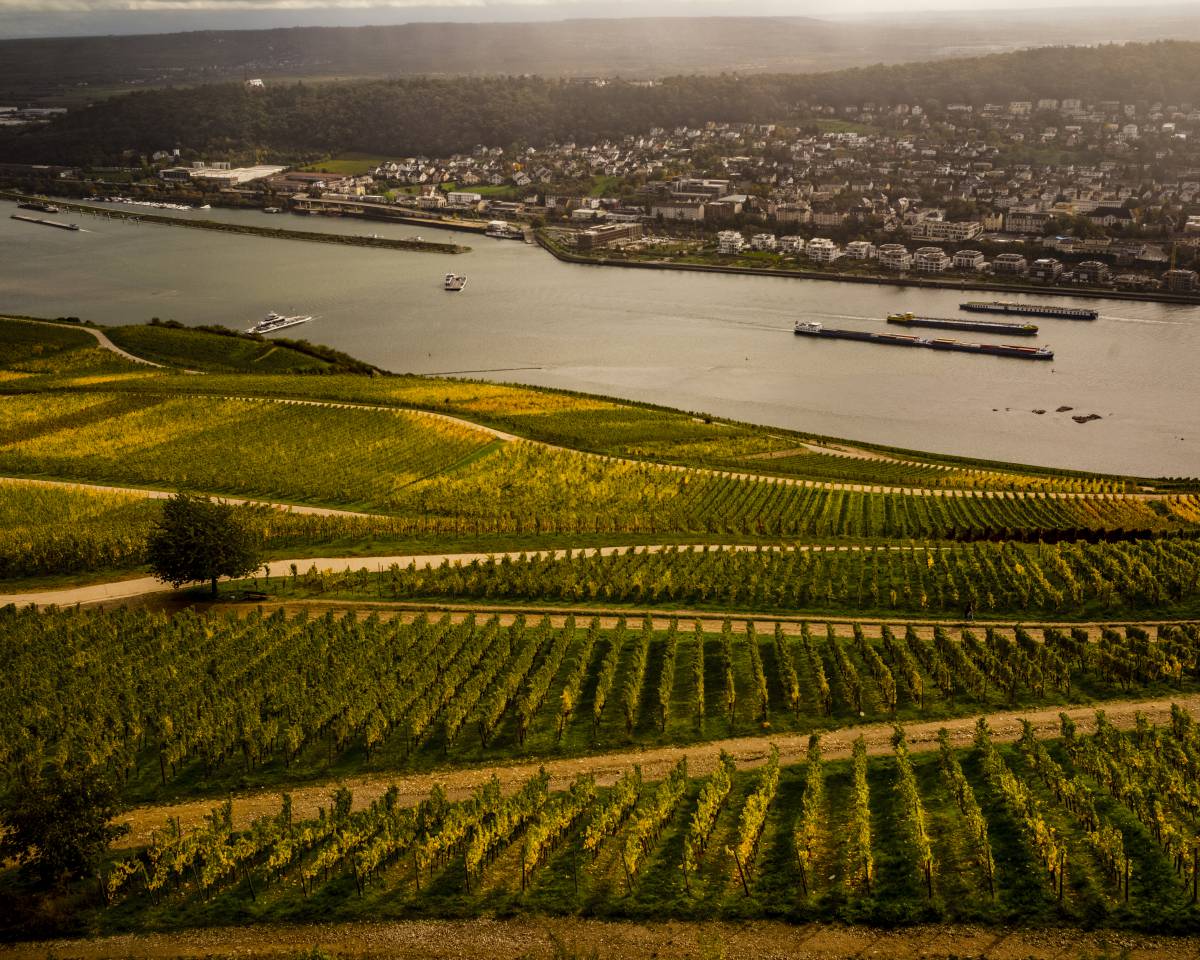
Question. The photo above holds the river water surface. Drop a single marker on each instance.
(715, 343)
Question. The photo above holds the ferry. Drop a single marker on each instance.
(41, 206)
(1029, 309)
(454, 283)
(979, 326)
(813, 329)
(277, 321)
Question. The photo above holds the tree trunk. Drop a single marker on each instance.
(214, 586)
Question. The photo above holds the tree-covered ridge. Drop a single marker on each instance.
(441, 116)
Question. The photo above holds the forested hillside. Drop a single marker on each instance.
(441, 116)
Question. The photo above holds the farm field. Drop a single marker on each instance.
(1066, 579)
(447, 476)
(212, 351)
(336, 695)
(1046, 829)
(799, 601)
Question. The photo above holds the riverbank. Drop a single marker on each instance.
(568, 256)
(386, 243)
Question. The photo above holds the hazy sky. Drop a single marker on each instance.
(65, 17)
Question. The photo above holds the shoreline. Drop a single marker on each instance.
(899, 281)
(271, 233)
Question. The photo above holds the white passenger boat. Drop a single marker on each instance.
(454, 282)
(277, 321)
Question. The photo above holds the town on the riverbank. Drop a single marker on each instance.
(1100, 198)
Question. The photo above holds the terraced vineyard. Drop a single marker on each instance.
(1046, 829)
(855, 573)
(46, 530)
(623, 429)
(192, 703)
(230, 446)
(542, 490)
(1068, 578)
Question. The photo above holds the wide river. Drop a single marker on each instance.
(719, 344)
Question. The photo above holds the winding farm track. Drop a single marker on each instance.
(546, 938)
(655, 762)
(101, 339)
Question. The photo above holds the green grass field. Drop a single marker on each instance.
(347, 164)
(201, 350)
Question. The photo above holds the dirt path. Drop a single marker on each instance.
(655, 762)
(615, 940)
(101, 339)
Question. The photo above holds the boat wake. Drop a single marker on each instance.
(1165, 323)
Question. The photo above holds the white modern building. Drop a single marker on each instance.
(894, 256)
(729, 242)
(931, 260)
(822, 250)
(860, 250)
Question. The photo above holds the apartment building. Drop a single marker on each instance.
(894, 256)
(822, 250)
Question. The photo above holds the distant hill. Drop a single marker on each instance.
(71, 69)
(440, 116)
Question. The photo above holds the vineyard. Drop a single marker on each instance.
(552, 490)
(623, 429)
(1062, 579)
(211, 351)
(441, 477)
(1042, 830)
(58, 530)
(826, 588)
(231, 446)
(189, 703)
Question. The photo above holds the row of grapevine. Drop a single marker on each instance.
(713, 794)
(1049, 578)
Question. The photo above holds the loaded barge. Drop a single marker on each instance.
(979, 326)
(1029, 309)
(46, 223)
(813, 329)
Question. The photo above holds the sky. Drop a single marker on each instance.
(81, 17)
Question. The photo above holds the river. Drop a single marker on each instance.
(714, 343)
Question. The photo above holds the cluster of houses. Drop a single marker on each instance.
(911, 186)
(899, 258)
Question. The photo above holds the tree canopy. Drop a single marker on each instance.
(198, 539)
(58, 829)
(439, 116)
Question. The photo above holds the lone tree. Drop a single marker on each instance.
(59, 828)
(199, 540)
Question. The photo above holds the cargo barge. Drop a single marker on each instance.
(979, 326)
(1029, 309)
(46, 223)
(813, 329)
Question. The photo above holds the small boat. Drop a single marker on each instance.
(277, 321)
(454, 282)
(272, 210)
